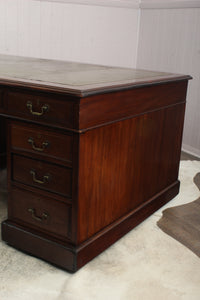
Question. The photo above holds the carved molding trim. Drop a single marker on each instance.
(110, 3)
(135, 4)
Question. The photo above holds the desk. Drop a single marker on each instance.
(91, 152)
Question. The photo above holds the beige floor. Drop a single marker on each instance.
(146, 264)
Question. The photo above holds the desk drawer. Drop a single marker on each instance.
(45, 214)
(41, 108)
(42, 175)
(46, 143)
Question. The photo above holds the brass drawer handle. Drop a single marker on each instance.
(44, 145)
(35, 217)
(46, 178)
(44, 109)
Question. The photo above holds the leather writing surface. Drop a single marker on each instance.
(77, 78)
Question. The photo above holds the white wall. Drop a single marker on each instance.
(96, 34)
(152, 34)
(169, 40)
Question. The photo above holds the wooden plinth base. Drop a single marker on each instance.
(72, 258)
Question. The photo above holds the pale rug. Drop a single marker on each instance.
(145, 264)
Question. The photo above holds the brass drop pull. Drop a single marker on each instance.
(46, 178)
(43, 147)
(35, 217)
(44, 109)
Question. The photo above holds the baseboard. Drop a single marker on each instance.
(190, 150)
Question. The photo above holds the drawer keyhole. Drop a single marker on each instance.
(46, 177)
(35, 217)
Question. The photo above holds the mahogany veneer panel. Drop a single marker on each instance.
(124, 164)
(92, 151)
(99, 109)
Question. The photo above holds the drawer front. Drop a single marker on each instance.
(35, 140)
(45, 214)
(40, 108)
(45, 176)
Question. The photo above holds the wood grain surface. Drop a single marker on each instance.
(122, 165)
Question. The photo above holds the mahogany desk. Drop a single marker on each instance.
(91, 152)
